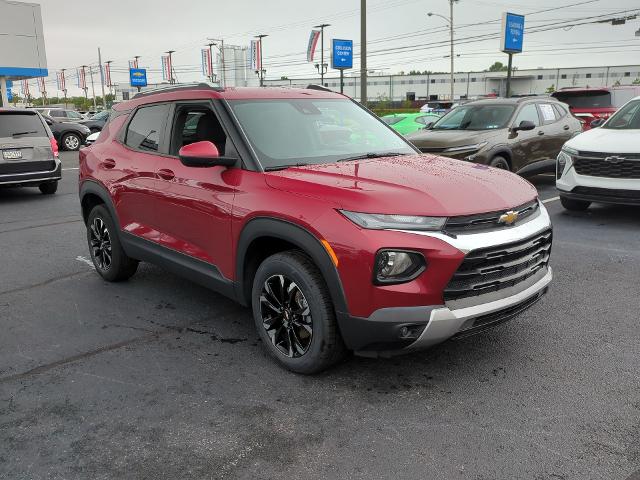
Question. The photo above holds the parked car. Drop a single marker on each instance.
(337, 242)
(97, 121)
(91, 139)
(523, 135)
(28, 151)
(438, 107)
(588, 104)
(603, 164)
(405, 123)
(61, 114)
(70, 136)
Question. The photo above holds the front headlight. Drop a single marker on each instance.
(564, 158)
(464, 148)
(380, 221)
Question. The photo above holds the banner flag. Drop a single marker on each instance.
(313, 43)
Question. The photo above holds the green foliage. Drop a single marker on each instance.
(551, 88)
(497, 67)
(636, 81)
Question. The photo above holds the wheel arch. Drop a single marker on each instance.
(92, 194)
(503, 152)
(264, 236)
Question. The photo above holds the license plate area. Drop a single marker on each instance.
(12, 154)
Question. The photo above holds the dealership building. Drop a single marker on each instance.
(437, 86)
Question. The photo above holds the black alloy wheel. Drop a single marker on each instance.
(286, 316)
(100, 242)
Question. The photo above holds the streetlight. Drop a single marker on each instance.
(450, 22)
(262, 70)
(321, 68)
(215, 42)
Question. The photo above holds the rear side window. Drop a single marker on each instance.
(585, 99)
(21, 125)
(146, 129)
(560, 111)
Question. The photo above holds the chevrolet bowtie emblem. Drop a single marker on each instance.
(614, 159)
(509, 218)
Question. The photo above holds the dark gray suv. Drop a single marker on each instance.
(28, 151)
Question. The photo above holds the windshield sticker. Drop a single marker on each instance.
(547, 112)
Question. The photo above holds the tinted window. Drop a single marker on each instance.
(74, 115)
(57, 114)
(21, 125)
(628, 117)
(392, 120)
(528, 113)
(585, 99)
(476, 117)
(197, 124)
(101, 115)
(147, 127)
(560, 111)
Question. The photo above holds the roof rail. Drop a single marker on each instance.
(179, 87)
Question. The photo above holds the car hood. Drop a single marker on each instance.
(606, 140)
(410, 185)
(451, 138)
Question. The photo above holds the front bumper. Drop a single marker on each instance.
(394, 330)
(33, 178)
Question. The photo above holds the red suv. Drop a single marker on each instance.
(303, 205)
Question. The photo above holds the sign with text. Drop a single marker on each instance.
(512, 33)
(138, 77)
(341, 54)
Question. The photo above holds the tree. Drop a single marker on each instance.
(551, 88)
(497, 67)
(636, 81)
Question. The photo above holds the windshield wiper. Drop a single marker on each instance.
(372, 155)
(275, 168)
(17, 134)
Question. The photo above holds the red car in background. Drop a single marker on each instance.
(591, 103)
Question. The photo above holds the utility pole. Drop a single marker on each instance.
(363, 52)
(84, 80)
(323, 66)
(64, 88)
(210, 66)
(135, 61)
(262, 69)
(450, 22)
(104, 99)
(171, 80)
(108, 63)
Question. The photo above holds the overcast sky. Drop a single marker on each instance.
(124, 28)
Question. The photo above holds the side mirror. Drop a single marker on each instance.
(428, 124)
(524, 126)
(49, 122)
(203, 155)
(598, 122)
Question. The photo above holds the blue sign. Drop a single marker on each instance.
(138, 77)
(342, 54)
(9, 92)
(512, 32)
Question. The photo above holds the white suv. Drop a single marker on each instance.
(602, 164)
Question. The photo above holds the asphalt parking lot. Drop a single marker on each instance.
(160, 378)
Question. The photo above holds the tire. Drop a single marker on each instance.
(305, 337)
(48, 188)
(71, 142)
(500, 162)
(574, 205)
(102, 237)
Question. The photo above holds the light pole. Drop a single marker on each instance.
(171, 80)
(215, 41)
(450, 22)
(110, 85)
(135, 61)
(262, 70)
(322, 66)
(363, 52)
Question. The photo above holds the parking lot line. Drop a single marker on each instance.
(548, 200)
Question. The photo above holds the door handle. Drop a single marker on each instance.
(566, 127)
(166, 174)
(109, 163)
(540, 132)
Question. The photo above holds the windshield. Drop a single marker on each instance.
(101, 115)
(285, 132)
(627, 118)
(21, 124)
(587, 99)
(476, 117)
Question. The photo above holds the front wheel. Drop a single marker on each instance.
(294, 314)
(574, 205)
(110, 260)
(499, 162)
(71, 142)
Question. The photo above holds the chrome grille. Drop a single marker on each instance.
(502, 266)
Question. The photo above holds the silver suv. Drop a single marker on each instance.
(28, 151)
(62, 114)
